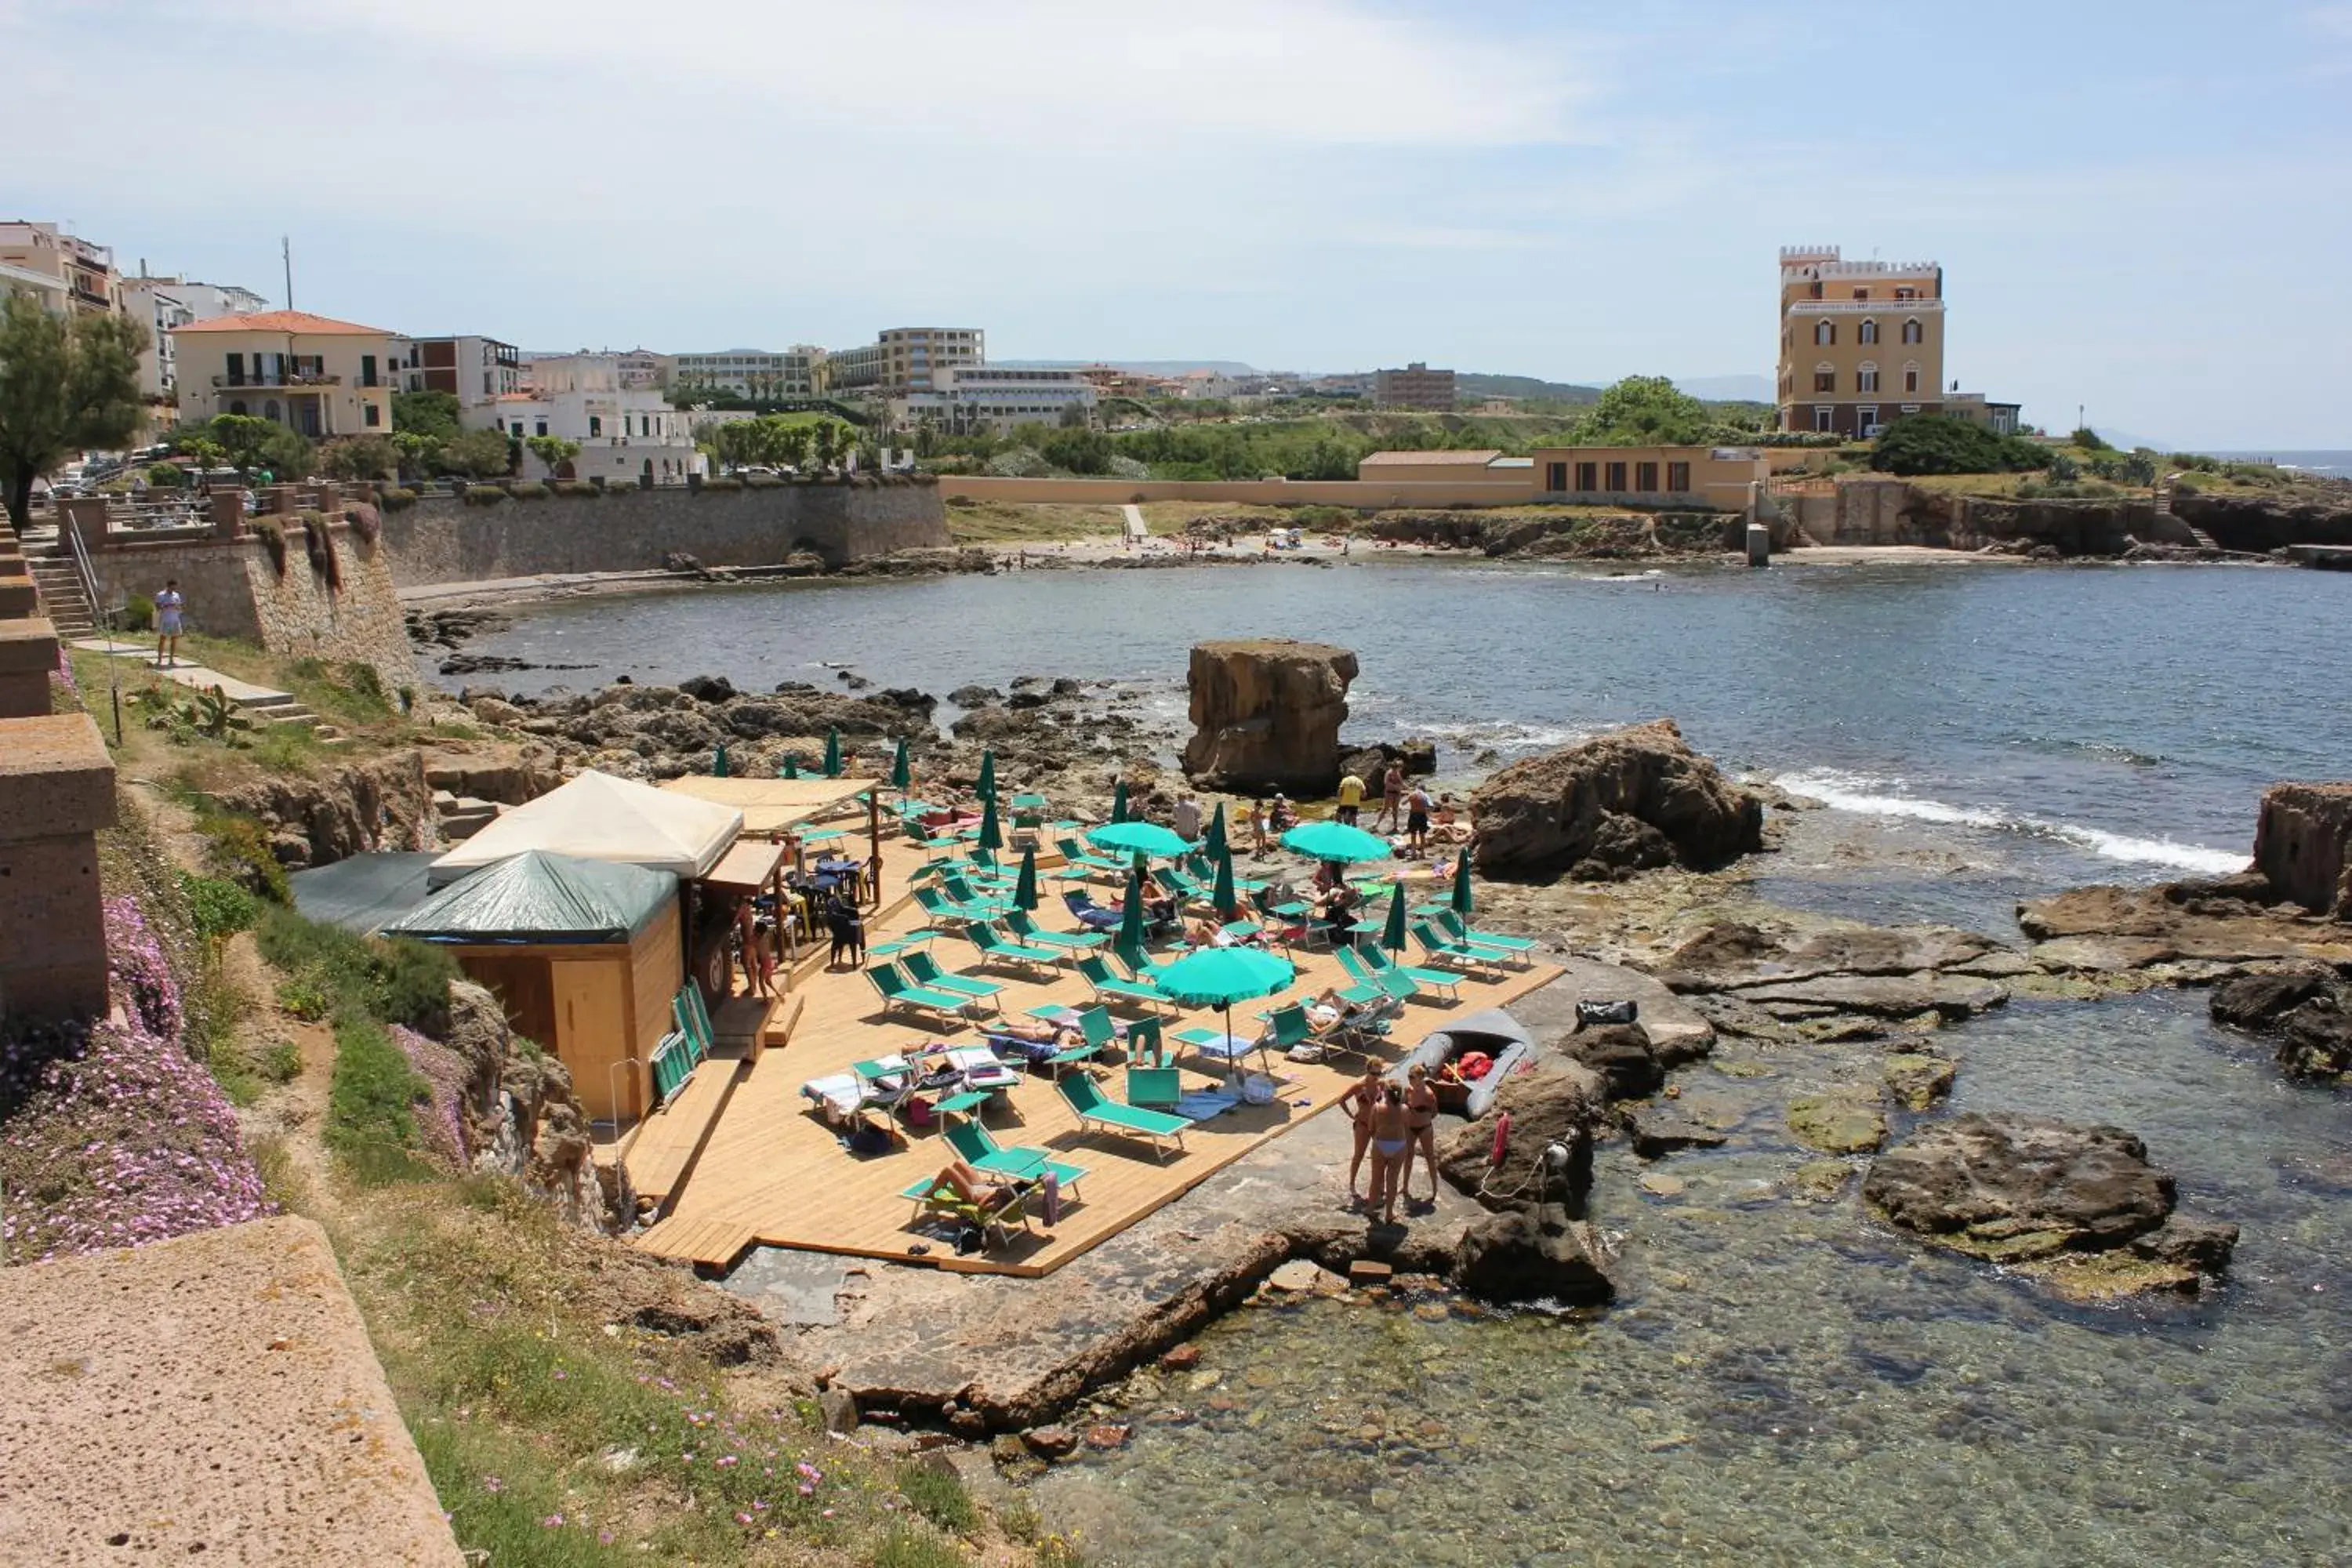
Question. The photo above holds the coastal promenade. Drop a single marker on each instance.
(773, 1174)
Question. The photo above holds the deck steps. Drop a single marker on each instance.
(707, 1243)
(661, 1155)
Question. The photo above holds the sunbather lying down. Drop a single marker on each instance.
(968, 1184)
(1033, 1041)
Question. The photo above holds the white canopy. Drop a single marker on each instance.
(597, 816)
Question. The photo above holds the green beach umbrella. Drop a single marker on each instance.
(987, 784)
(1138, 839)
(1221, 976)
(1337, 841)
(1393, 934)
(832, 753)
(1214, 841)
(1025, 886)
(1131, 919)
(791, 769)
(1119, 802)
(902, 769)
(1464, 901)
(719, 764)
(1222, 895)
(992, 836)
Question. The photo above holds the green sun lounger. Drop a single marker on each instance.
(931, 1195)
(1152, 1089)
(1460, 929)
(1381, 966)
(938, 907)
(976, 1148)
(897, 946)
(995, 948)
(1111, 989)
(1443, 949)
(925, 970)
(896, 991)
(1022, 924)
(1087, 1100)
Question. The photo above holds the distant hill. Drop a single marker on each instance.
(1473, 384)
(1163, 367)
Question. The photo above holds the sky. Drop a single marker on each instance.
(2143, 207)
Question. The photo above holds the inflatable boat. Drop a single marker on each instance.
(1494, 1033)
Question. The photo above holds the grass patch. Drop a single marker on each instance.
(389, 981)
(906, 1546)
(940, 1497)
(1009, 522)
(371, 1106)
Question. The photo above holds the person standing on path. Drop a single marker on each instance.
(1416, 821)
(1187, 817)
(169, 608)
(1392, 799)
(1351, 798)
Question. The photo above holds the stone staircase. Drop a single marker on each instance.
(2163, 509)
(58, 587)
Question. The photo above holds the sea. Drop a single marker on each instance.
(1782, 1382)
(2333, 464)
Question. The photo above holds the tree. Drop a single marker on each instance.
(432, 414)
(65, 385)
(363, 457)
(478, 455)
(1645, 411)
(552, 450)
(1940, 444)
(1079, 451)
(419, 454)
(2090, 440)
(255, 444)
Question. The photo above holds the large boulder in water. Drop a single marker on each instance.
(2307, 1009)
(1266, 713)
(1537, 1253)
(2303, 844)
(1632, 800)
(2078, 1205)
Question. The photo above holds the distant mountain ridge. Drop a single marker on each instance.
(1467, 383)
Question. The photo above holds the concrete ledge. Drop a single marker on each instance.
(56, 778)
(17, 600)
(212, 1398)
(28, 644)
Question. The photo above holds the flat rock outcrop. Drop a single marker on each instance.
(2303, 846)
(1632, 800)
(1266, 713)
(2221, 923)
(2078, 1204)
(1730, 955)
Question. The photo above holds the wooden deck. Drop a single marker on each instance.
(772, 1172)
(663, 1146)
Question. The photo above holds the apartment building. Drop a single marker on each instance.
(750, 373)
(903, 359)
(1862, 342)
(642, 368)
(87, 270)
(40, 286)
(155, 304)
(474, 370)
(627, 434)
(1414, 387)
(964, 398)
(311, 373)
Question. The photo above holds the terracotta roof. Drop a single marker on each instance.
(300, 322)
(1478, 458)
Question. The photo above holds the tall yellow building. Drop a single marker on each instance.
(1862, 342)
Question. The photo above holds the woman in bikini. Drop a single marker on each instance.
(1420, 1119)
(1392, 1147)
(1359, 1101)
(972, 1186)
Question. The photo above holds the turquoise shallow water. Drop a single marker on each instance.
(1788, 1384)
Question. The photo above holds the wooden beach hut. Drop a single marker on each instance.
(583, 955)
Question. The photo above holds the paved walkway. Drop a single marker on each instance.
(195, 677)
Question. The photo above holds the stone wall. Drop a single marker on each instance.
(1894, 512)
(233, 589)
(444, 540)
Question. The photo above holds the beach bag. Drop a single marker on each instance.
(970, 1240)
(919, 1113)
(1258, 1090)
(1607, 1013)
(1053, 1198)
(868, 1139)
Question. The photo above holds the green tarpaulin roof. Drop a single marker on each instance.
(363, 892)
(541, 897)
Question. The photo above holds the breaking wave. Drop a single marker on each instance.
(1867, 795)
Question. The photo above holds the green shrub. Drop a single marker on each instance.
(722, 484)
(167, 476)
(398, 498)
(237, 848)
(370, 1103)
(411, 984)
(908, 1547)
(2063, 469)
(577, 488)
(219, 908)
(139, 614)
(1941, 444)
(305, 997)
(273, 539)
(528, 489)
(484, 495)
(389, 981)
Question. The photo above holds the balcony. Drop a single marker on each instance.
(262, 381)
(1865, 307)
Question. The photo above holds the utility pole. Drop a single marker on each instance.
(286, 253)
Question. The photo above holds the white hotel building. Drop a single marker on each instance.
(627, 434)
(964, 398)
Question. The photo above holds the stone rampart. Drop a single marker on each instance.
(235, 588)
(445, 540)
